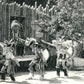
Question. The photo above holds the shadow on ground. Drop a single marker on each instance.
(11, 82)
(48, 81)
(52, 81)
(76, 78)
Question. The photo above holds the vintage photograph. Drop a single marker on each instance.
(41, 41)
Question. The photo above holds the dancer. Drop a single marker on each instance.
(9, 65)
(62, 65)
(37, 63)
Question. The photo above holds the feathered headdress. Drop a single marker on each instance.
(15, 23)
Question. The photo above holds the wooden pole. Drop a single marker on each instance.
(36, 4)
(1, 21)
(9, 22)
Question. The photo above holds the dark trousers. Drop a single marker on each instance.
(20, 50)
(3, 76)
(64, 70)
(12, 77)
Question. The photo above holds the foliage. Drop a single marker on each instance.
(68, 20)
(67, 23)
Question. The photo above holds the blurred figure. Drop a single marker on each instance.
(9, 64)
(37, 63)
(65, 65)
(59, 64)
(62, 65)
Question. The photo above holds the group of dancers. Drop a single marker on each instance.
(37, 64)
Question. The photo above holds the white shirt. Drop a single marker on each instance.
(45, 54)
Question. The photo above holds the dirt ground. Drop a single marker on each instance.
(75, 77)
